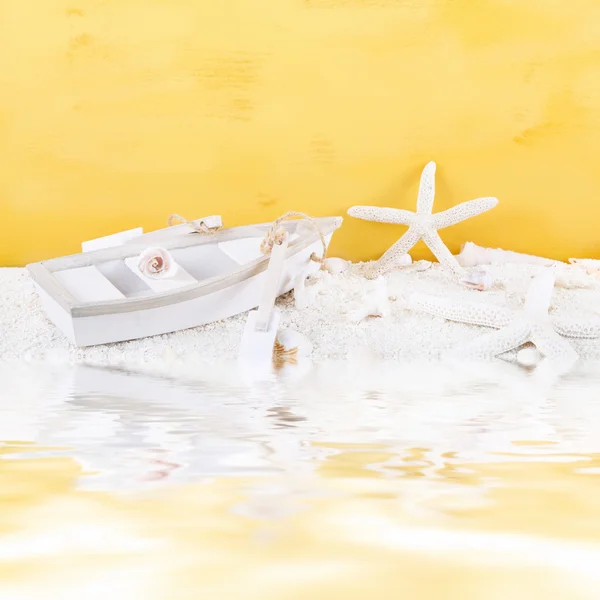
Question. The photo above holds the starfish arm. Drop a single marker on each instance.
(382, 215)
(462, 212)
(588, 329)
(426, 190)
(539, 294)
(436, 245)
(474, 313)
(390, 259)
(493, 344)
(552, 345)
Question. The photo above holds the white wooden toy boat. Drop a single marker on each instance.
(101, 296)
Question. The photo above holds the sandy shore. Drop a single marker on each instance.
(404, 335)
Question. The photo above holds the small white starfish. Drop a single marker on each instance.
(529, 323)
(422, 225)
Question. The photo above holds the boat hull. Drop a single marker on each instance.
(230, 300)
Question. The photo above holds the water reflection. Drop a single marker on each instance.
(424, 481)
(127, 428)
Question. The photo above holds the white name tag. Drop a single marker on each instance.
(111, 241)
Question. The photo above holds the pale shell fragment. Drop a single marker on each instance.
(157, 263)
(404, 260)
(419, 266)
(478, 279)
(336, 265)
(291, 339)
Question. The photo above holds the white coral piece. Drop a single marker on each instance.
(375, 302)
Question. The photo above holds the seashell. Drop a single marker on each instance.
(291, 340)
(336, 265)
(405, 260)
(157, 263)
(478, 279)
(472, 255)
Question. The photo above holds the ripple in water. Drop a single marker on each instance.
(408, 481)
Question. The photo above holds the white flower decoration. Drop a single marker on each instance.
(157, 263)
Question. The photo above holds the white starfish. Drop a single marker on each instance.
(422, 225)
(529, 323)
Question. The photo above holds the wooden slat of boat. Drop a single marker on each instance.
(134, 248)
(45, 279)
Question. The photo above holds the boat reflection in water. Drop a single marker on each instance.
(410, 481)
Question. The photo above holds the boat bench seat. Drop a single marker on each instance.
(88, 284)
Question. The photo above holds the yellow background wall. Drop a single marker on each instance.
(115, 113)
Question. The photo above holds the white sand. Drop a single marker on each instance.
(26, 333)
